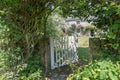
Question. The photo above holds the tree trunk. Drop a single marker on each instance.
(27, 48)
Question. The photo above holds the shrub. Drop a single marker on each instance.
(98, 70)
(32, 71)
(22, 71)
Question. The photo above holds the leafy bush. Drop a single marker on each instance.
(32, 71)
(112, 42)
(2, 64)
(53, 27)
(21, 71)
(98, 70)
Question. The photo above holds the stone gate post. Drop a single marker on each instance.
(45, 53)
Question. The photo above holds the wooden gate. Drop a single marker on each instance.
(63, 51)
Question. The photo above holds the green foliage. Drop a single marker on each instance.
(83, 53)
(112, 43)
(13, 54)
(98, 70)
(22, 25)
(10, 70)
(53, 25)
(90, 27)
(2, 64)
(24, 22)
(32, 70)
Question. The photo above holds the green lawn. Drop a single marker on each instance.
(83, 41)
(83, 53)
(83, 48)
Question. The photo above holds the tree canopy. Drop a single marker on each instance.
(25, 24)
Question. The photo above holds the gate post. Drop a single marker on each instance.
(52, 53)
(45, 53)
(95, 46)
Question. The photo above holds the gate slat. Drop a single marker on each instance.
(52, 53)
(63, 51)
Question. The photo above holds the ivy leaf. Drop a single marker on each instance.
(111, 35)
(103, 75)
(112, 76)
(115, 46)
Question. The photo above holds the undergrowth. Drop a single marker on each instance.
(105, 68)
(23, 71)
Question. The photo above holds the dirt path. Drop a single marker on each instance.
(63, 72)
(60, 73)
(58, 77)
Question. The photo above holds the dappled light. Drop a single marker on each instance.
(59, 40)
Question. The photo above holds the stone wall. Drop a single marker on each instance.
(96, 46)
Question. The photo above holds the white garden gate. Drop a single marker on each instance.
(63, 51)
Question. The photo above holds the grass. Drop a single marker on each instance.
(83, 53)
(83, 48)
(83, 41)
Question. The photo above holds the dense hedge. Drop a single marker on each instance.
(98, 70)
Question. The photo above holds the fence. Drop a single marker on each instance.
(63, 51)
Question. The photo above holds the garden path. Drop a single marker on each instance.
(63, 72)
